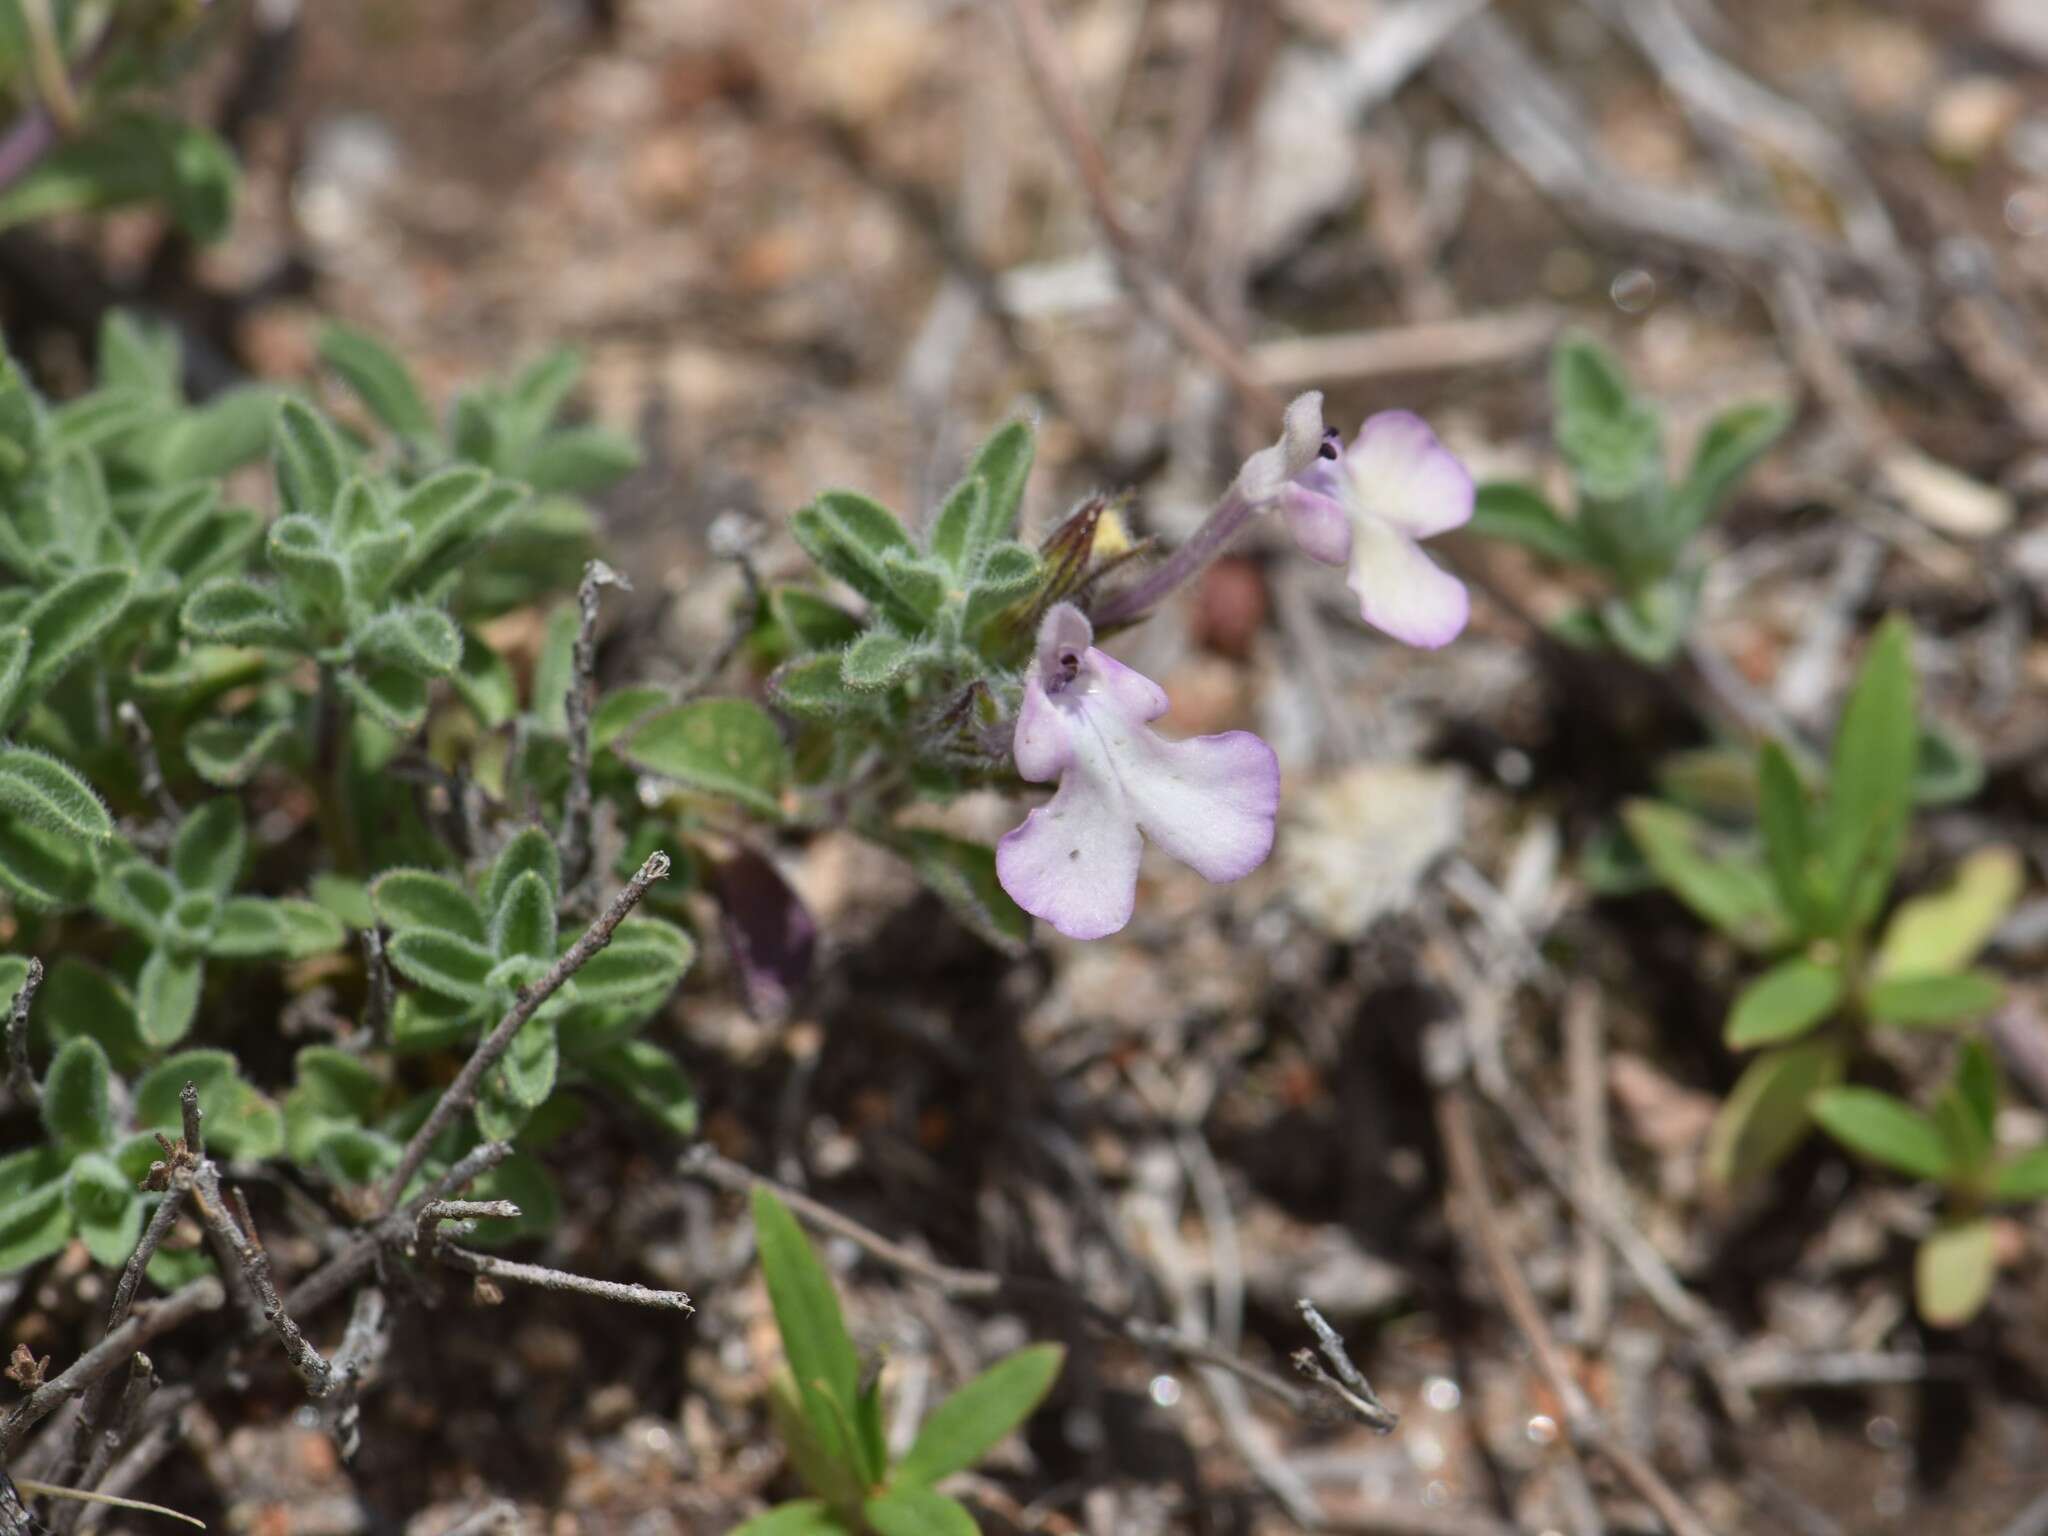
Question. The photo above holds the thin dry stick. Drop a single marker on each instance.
(356, 1260)
(1052, 83)
(434, 1212)
(1343, 1380)
(582, 697)
(382, 995)
(202, 1295)
(1585, 1063)
(1588, 1431)
(1428, 346)
(21, 1082)
(561, 1280)
(461, 1093)
(985, 1285)
(147, 762)
(312, 1368)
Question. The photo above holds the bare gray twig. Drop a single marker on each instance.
(434, 1212)
(202, 1295)
(21, 1082)
(582, 698)
(461, 1093)
(203, 1182)
(560, 1280)
(1348, 1384)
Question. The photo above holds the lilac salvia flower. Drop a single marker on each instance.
(1209, 801)
(1369, 506)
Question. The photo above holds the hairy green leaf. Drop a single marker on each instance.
(77, 1110)
(381, 381)
(38, 788)
(727, 747)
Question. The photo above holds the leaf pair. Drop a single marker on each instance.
(833, 1424)
(188, 912)
(1631, 525)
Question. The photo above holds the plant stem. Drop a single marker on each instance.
(1222, 525)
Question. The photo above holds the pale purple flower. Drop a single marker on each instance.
(1209, 801)
(1368, 507)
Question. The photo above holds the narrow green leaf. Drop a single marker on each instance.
(380, 380)
(963, 876)
(1006, 575)
(799, 1517)
(1518, 513)
(43, 870)
(14, 650)
(726, 747)
(1004, 465)
(1788, 844)
(105, 1208)
(1765, 1115)
(847, 535)
(211, 843)
(247, 928)
(1732, 443)
(806, 1308)
(1953, 1272)
(67, 619)
(963, 511)
(524, 923)
(967, 1425)
(48, 792)
(527, 1075)
(423, 641)
(1735, 895)
(237, 612)
(315, 578)
(310, 929)
(76, 1107)
(875, 661)
(1925, 1002)
(406, 899)
(579, 461)
(227, 753)
(2025, 1177)
(1881, 1128)
(1980, 1085)
(528, 851)
(309, 459)
(915, 1511)
(814, 687)
(167, 996)
(1945, 929)
(392, 696)
(651, 1080)
(1870, 782)
(1787, 1001)
(812, 623)
(643, 962)
(443, 963)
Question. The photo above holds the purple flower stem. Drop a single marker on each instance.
(1221, 526)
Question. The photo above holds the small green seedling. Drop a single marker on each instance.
(1955, 1147)
(1633, 527)
(1809, 893)
(832, 1422)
